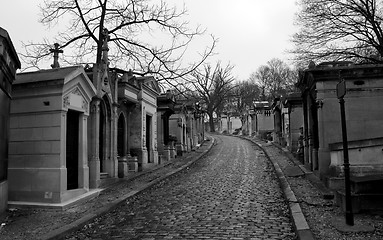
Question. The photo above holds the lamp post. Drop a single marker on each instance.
(341, 91)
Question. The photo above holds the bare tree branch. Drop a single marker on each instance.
(145, 36)
(332, 30)
(275, 79)
(213, 85)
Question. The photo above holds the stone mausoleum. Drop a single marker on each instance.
(165, 108)
(323, 142)
(364, 117)
(137, 122)
(143, 134)
(48, 156)
(262, 119)
(9, 63)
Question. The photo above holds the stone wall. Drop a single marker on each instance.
(35, 152)
(4, 135)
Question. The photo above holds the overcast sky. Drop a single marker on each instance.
(250, 32)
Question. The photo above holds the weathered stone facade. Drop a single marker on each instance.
(187, 126)
(288, 121)
(128, 91)
(9, 63)
(293, 127)
(364, 118)
(143, 131)
(262, 119)
(165, 108)
(48, 156)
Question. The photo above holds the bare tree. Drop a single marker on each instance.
(274, 79)
(145, 36)
(262, 78)
(213, 85)
(245, 93)
(334, 30)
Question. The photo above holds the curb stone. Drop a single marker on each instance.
(60, 233)
(301, 226)
(326, 193)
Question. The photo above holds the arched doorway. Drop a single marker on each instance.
(315, 132)
(101, 142)
(72, 148)
(149, 137)
(105, 136)
(121, 131)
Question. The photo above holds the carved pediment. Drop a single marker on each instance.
(75, 99)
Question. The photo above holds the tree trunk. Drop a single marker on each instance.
(211, 123)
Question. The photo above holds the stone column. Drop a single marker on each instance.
(156, 159)
(114, 159)
(144, 151)
(172, 150)
(306, 152)
(311, 137)
(63, 167)
(123, 160)
(83, 153)
(250, 129)
(94, 160)
(160, 136)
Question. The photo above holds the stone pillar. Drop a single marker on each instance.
(123, 160)
(166, 153)
(313, 151)
(161, 134)
(154, 154)
(114, 158)
(94, 161)
(306, 150)
(83, 153)
(132, 163)
(63, 167)
(250, 124)
(172, 149)
(122, 166)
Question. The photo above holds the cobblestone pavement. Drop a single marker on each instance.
(231, 193)
(322, 214)
(37, 223)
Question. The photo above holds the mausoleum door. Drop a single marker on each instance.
(166, 129)
(315, 134)
(121, 133)
(72, 142)
(101, 135)
(148, 136)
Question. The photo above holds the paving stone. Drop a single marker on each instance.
(232, 193)
(293, 171)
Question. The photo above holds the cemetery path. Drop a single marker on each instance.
(231, 193)
(37, 223)
(325, 219)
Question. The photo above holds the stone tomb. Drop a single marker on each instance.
(294, 122)
(165, 108)
(263, 124)
(48, 156)
(322, 121)
(128, 91)
(9, 62)
(143, 130)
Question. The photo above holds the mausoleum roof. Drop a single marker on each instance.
(4, 34)
(45, 75)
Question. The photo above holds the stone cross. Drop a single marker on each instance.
(56, 52)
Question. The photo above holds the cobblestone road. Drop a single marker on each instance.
(232, 193)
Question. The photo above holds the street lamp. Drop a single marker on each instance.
(341, 91)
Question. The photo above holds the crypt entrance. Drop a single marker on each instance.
(72, 136)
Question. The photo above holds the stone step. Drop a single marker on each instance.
(104, 175)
